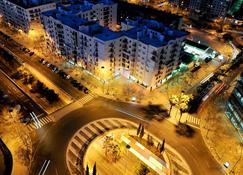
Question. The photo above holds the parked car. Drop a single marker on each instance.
(56, 70)
(41, 60)
(31, 53)
(194, 69)
(86, 91)
(68, 77)
(80, 87)
(44, 62)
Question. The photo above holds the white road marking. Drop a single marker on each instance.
(132, 115)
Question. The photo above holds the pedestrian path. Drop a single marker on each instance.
(42, 122)
(80, 141)
(193, 120)
(87, 98)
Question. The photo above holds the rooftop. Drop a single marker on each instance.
(30, 3)
(90, 28)
(150, 32)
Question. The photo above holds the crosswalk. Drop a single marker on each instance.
(85, 135)
(193, 120)
(87, 98)
(43, 122)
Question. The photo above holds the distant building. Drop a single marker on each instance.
(235, 105)
(20, 13)
(214, 8)
(129, 10)
(145, 50)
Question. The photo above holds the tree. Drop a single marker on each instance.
(94, 169)
(139, 129)
(142, 132)
(162, 147)
(87, 170)
(183, 103)
(143, 170)
(11, 124)
(158, 145)
(183, 108)
(150, 140)
(112, 149)
(174, 99)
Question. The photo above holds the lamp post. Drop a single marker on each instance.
(102, 78)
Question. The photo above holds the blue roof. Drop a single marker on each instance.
(142, 29)
(94, 29)
(30, 3)
(141, 25)
(107, 35)
(75, 8)
(146, 39)
(72, 21)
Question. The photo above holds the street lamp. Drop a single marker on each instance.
(103, 77)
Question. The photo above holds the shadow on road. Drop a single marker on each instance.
(184, 130)
(156, 112)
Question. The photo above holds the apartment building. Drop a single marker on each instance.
(20, 13)
(144, 50)
(214, 8)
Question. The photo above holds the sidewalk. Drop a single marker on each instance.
(18, 166)
(221, 137)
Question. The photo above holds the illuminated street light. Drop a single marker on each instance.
(226, 164)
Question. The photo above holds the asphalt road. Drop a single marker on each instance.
(26, 103)
(54, 138)
(33, 61)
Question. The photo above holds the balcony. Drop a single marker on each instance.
(154, 53)
(125, 40)
(111, 50)
(111, 56)
(111, 45)
(153, 58)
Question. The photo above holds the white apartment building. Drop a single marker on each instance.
(145, 50)
(20, 14)
(105, 12)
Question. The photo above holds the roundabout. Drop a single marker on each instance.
(67, 141)
(88, 148)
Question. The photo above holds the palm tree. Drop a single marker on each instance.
(139, 129)
(141, 132)
(87, 170)
(94, 169)
(162, 147)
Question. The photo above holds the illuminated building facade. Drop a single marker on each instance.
(144, 50)
(213, 8)
(20, 13)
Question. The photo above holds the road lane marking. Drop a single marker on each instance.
(132, 115)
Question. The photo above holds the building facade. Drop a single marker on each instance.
(21, 13)
(144, 50)
(235, 105)
(214, 8)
